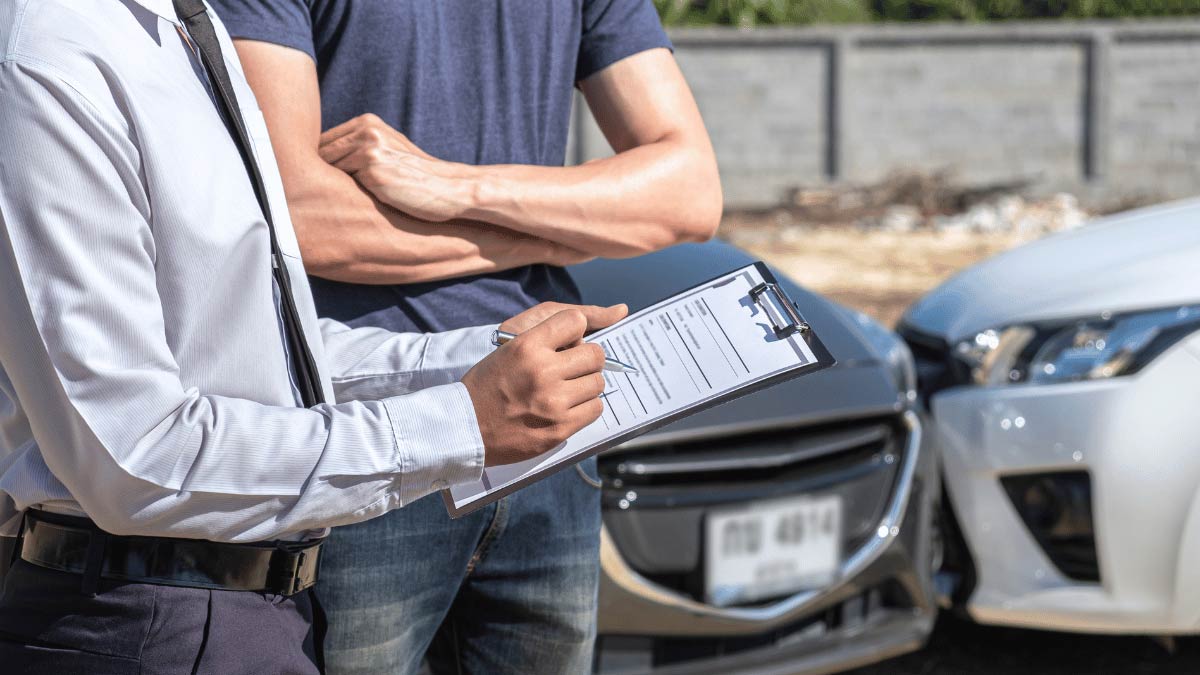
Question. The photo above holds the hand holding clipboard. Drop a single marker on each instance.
(716, 341)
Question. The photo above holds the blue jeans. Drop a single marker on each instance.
(510, 588)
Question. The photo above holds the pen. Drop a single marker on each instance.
(499, 337)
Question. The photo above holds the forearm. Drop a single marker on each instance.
(661, 187)
(346, 235)
(368, 364)
(641, 200)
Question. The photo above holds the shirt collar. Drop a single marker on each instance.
(163, 8)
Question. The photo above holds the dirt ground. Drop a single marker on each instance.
(875, 271)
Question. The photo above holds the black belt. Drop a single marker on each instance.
(76, 545)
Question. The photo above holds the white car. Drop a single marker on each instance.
(1063, 381)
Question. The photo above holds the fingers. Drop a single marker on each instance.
(339, 141)
(356, 142)
(582, 415)
(532, 317)
(603, 317)
(580, 390)
(597, 317)
(562, 329)
(364, 131)
(334, 133)
(580, 360)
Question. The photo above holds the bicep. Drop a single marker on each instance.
(642, 99)
(284, 81)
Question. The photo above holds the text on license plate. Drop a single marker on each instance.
(772, 548)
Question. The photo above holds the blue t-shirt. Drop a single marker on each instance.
(473, 81)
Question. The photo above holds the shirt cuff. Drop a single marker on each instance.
(449, 355)
(437, 440)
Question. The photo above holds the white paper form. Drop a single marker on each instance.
(688, 349)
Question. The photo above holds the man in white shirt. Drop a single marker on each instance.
(177, 428)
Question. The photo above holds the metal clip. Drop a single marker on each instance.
(784, 318)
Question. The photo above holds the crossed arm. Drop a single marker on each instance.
(371, 207)
(345, 233)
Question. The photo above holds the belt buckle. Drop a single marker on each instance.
(304, 574)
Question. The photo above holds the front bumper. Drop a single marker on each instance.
(881, 606)
(1138, 439)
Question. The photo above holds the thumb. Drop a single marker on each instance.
(603, 317)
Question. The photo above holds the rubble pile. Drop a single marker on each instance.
(1009, 213)
(911, 202)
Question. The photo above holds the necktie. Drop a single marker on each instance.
(200, 28)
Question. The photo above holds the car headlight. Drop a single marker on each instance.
(1109, 345)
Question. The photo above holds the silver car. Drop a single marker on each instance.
(1063, 379)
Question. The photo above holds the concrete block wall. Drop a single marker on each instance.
(1109, 110)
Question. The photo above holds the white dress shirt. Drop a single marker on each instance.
(144, 380)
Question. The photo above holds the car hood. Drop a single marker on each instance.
(1135, 260)
(858, 385)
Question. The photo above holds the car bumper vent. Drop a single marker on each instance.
(1057, 509)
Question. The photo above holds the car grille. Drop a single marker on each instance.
(656, 498)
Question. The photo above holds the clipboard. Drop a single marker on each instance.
(783, 319)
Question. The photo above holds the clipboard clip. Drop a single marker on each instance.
(784, 318)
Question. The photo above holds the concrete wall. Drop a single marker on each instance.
(1110, 110)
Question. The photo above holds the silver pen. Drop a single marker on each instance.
(499, 337)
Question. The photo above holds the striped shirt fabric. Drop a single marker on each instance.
(144, 377)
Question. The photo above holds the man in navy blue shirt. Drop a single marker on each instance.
(421, 145)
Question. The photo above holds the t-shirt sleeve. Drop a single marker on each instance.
(616, 29)
(281, 22)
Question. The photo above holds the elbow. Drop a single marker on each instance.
(367, 257)
(694, 223)
(692, 216)
(118, 508)
(342, 263)
(696, 214)
(692, 220)
(707, 206)
(704, 218)
(325, 259)
(331, 254)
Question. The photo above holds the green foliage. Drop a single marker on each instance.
(750, 13)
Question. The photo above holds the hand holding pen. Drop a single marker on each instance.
(612, 365)
(537, 392)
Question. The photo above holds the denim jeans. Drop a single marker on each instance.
(510, 588)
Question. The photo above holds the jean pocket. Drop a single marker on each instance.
(589, 472)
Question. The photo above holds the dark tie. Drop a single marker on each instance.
(200, 28)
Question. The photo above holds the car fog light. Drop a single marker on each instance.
(1057, 509)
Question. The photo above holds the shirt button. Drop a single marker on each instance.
(439, 485)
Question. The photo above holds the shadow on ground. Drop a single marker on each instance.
(959, 647)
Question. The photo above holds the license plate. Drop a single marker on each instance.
(772, 548)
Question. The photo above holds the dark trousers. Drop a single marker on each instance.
(47, 626)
